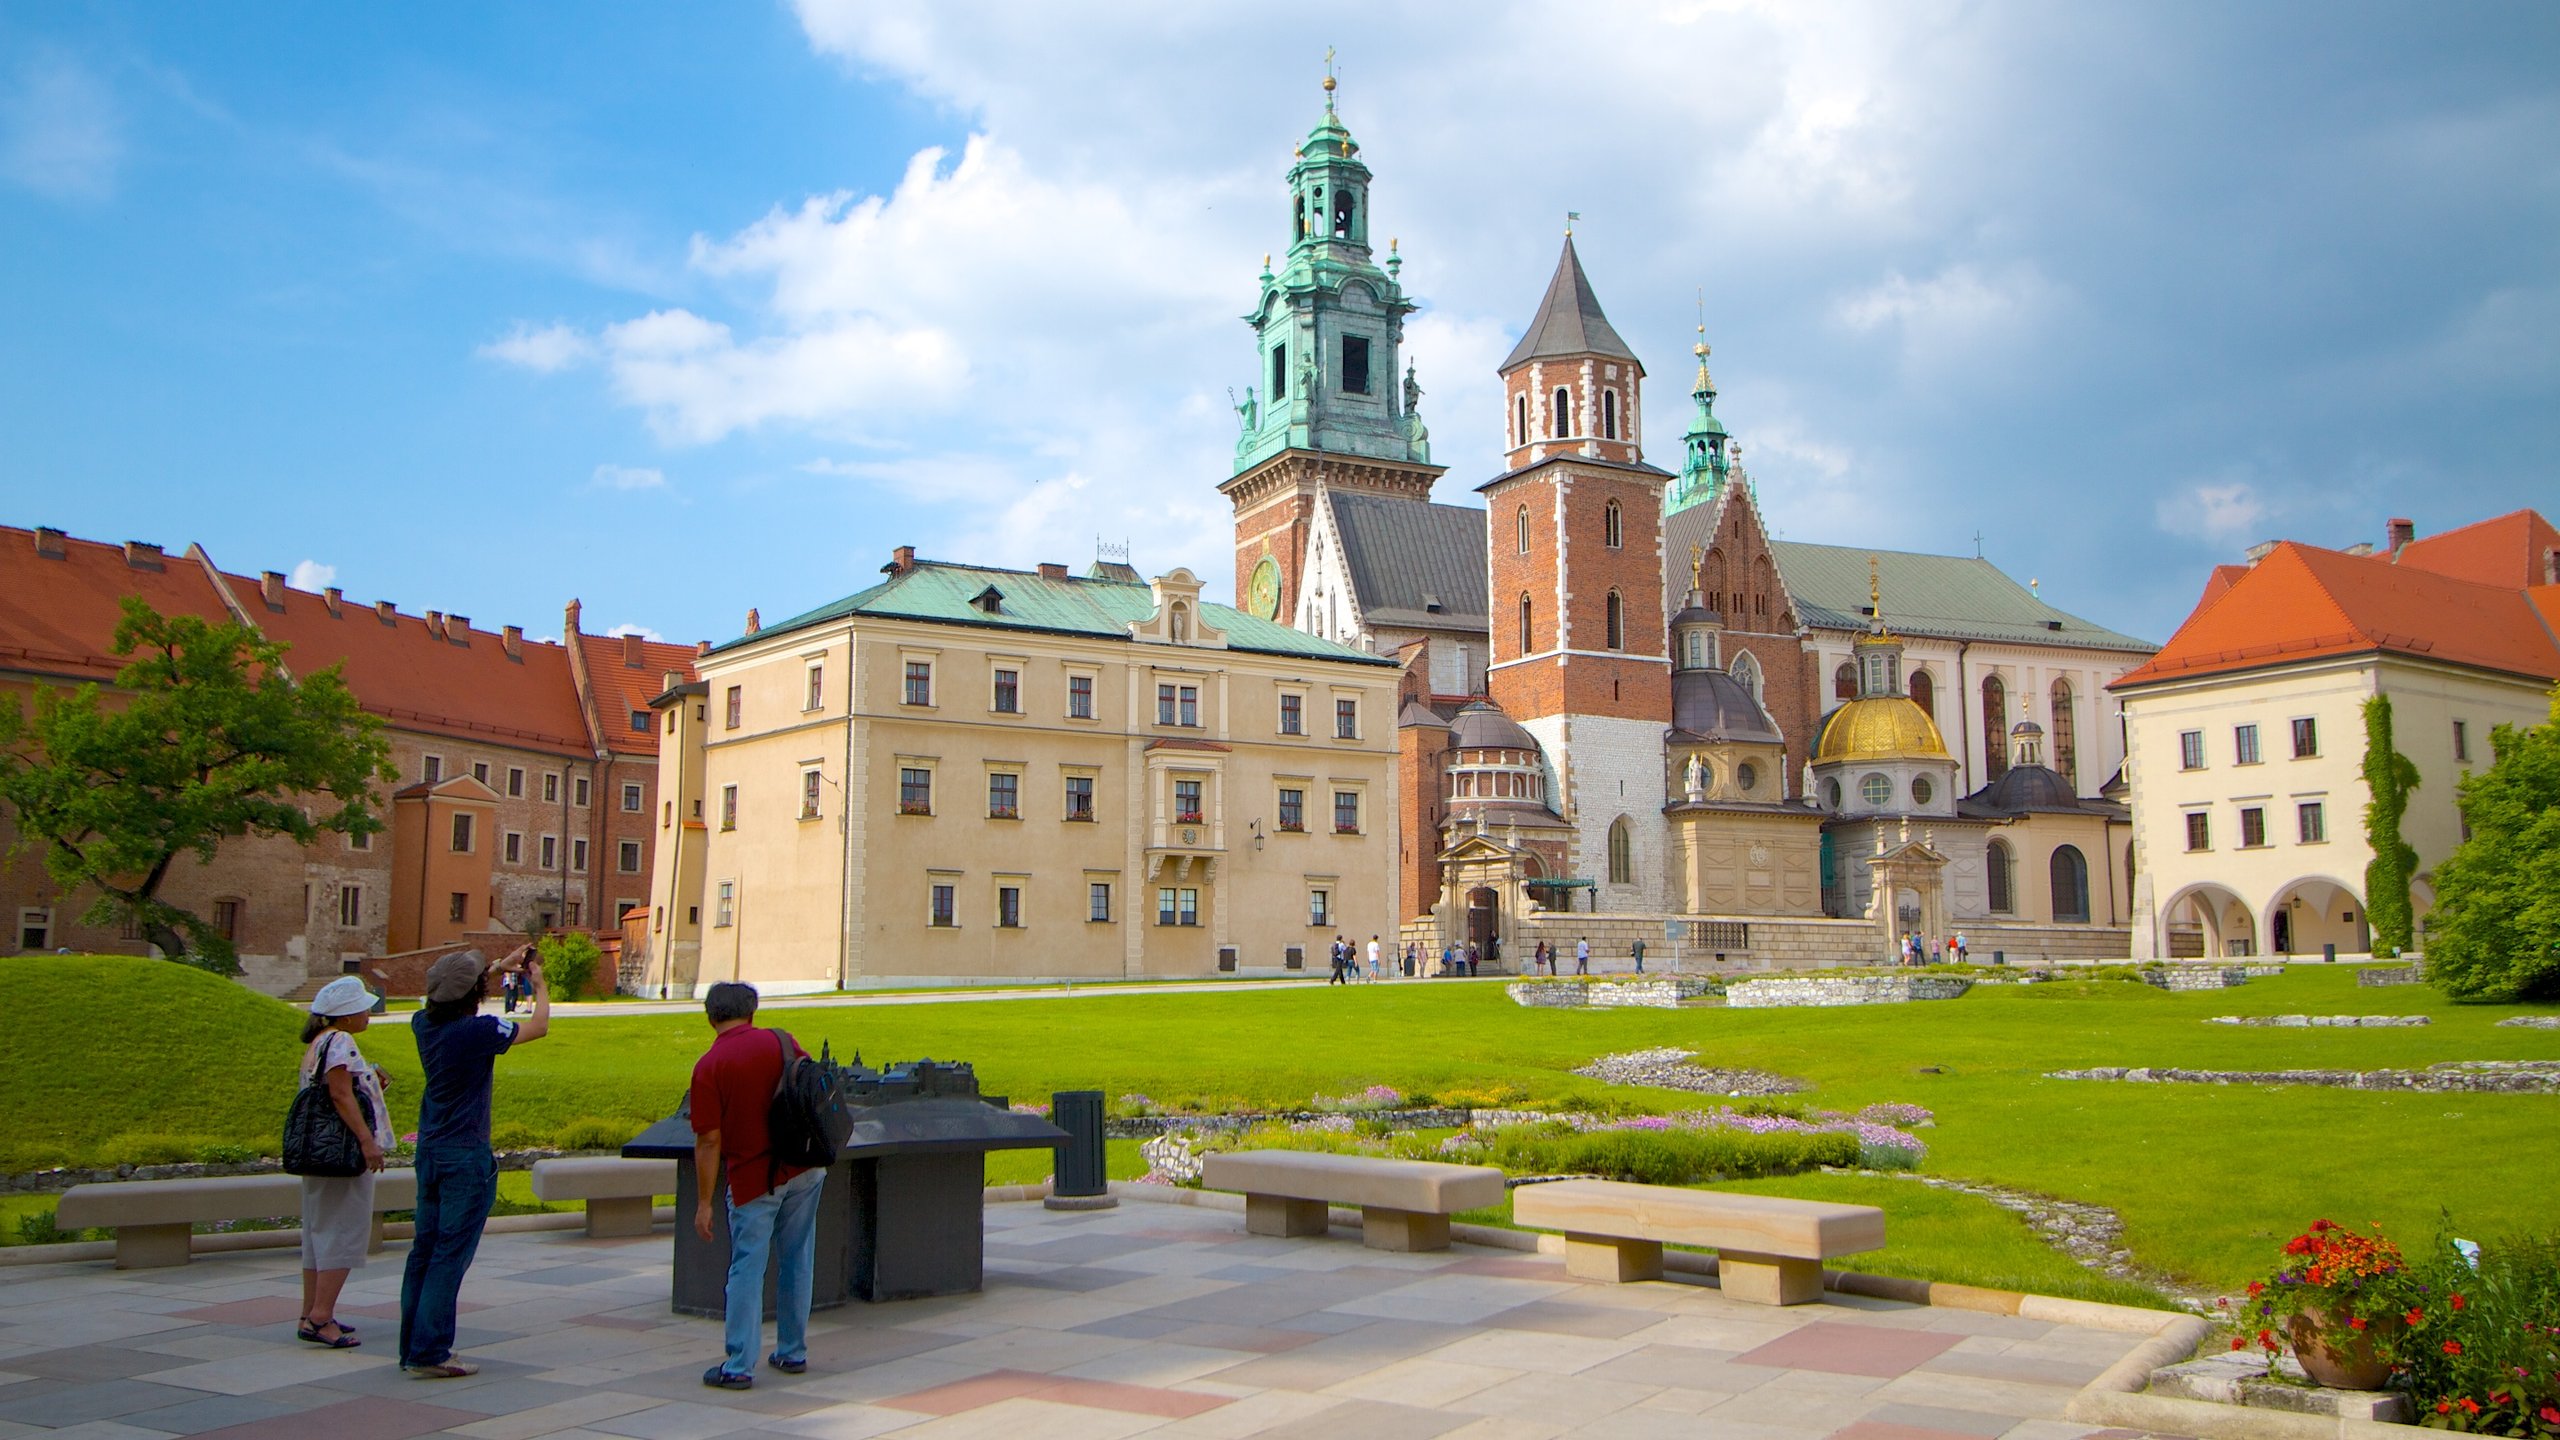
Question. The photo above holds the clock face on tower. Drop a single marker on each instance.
(1262, 592)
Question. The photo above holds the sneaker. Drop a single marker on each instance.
(787, 1367)
(718, 1378)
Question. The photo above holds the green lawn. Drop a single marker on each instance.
(2208, 1179)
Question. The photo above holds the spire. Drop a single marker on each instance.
(1569, 321)
(1704, 462)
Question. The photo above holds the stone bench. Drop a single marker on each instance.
(619, 1193)
(1769, 1250)
(1404, 1204)
(153, 1218)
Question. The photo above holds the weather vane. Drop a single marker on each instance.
(1569, 217)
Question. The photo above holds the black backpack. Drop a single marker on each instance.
(807, 1122)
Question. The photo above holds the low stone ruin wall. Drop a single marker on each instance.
(2351, 1022)
(2391, 975)
(1844, 990)
(1663, 993)
(2533, 1022)
(2511, 1077)
(2198, 977)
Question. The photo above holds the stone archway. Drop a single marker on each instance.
(2314, 913)
(2207, 922)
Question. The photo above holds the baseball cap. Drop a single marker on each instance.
(456, 976)
(345, 995)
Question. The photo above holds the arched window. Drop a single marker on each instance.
(1520, 522)
(1995, 729)
(1746, 673)
(1560, 415)
(1697, 651)
(1617, 622)
(2004, 883)
(1520, 420)
(1609, 414)
(1844, 682)
(1924, 691)
(1526, 614)
(2070, 884)
(1613, 526)
(1622, 852)
(2065, 748)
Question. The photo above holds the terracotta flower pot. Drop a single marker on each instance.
(2336, 1355)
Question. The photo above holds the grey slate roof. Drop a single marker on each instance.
(1404, 557)
(1954, 597)
(1569, 321)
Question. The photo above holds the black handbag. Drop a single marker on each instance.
(317, 1141)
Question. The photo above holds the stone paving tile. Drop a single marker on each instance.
(1881, 1429)
(1556, 1317)
(216, 1412)
(2023, 1369)
(1368, 1419)
(59, 1403)
(1683, 1367)
(103, 1430)
(1939, 1418)
(578, 1410)
(838, 1422)
(680, 1420)
(1507, 1427)
(1153, 1364)
(1422, 1382)
(1452, 1299)
(369, 1417)
(1526, 1350)
(1844, 1349)
(1018, 1419)
(1964, 1392)
(1566, 1399)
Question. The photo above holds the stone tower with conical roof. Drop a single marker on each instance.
(1332, 403)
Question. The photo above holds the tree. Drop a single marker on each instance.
(2495, 931)
(2389, 777)
(569, 961)
(207, 737)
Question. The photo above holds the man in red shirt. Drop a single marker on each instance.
(773, 1208)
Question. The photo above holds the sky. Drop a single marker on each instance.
(680, 310)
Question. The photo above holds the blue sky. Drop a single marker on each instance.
(682, 309)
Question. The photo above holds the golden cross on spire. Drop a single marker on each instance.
(1875, 587)
(1328, 79)
(1697, 562)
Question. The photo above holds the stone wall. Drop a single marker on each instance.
(2510, 1077)
(1664, 993)
(2390, 975)
(1844, 990)
(2197, 977)
(2350, 1022)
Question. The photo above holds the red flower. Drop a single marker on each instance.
(2239, 1344)
(2257, 1287)
(2500, 1397)
(2470, 1406)
(2444, 1407)
(2457, 1301)
(2453, 1347)
(2355, 1322)
(2319, 1225)
(2268, 1339)
(2550, 1415)
(2415, 1316)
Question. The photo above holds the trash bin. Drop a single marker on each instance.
(1082, 1183)
(2329, 954)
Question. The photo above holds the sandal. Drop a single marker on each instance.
(346, 1338)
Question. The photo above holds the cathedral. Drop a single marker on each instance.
(1625, 706)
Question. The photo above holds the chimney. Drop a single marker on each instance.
(755, 621)
(511, 640)
(435, 623)
(333, 598)
(457, 628)
(901, 560)
(143, 555)
(271, 589)
(701, 648)
(2259, 551)
(386, 612)
(569, 622)
(48, 543)
(1052, 570)
(668, 680)
(632, 658)
(2399, 530)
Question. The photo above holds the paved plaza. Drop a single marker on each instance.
(1150, 1319)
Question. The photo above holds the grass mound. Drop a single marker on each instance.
(114, 1060)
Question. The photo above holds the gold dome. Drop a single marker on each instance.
(1883, 727)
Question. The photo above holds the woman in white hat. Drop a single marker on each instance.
(337, 1214)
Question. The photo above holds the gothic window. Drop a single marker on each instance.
(1613, 526)
(2065, 743)
(1617, 622)
(1746, 673)
(2070, 884)
(1520, 420)
(2003, 869)
(1609, 414)
(1844, 682)
(1924, 691)
(1355, 365)
(1560, 414)
(1520, 522)
(1280, 370)
(1525, 616)
(1622, 852)
(1995, 728)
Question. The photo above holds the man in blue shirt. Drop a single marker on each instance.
(457, 1172)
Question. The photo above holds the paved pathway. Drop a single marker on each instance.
(1150, 1319)
(959, 993)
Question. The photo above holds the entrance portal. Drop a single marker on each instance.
(1482, 914)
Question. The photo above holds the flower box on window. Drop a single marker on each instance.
(1004, 812)
(914, 807)
(1186, 817)
(1342, 829)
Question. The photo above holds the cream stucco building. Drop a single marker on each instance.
(2247, 731)
(965, 774)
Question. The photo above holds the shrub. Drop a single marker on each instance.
(1665, 1157)
(569, 960)
(154, 1149)
(2481, 1350)
(225, 1153)
(589, 1132)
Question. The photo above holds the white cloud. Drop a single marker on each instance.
(643, 631)
(1962, 308)
(311, 575)
(546, 348)
(60, 131)
(2217, 512)
(629, 477)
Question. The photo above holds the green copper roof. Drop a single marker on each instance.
(1104, 609)
(1704, 460)
(1955, 597)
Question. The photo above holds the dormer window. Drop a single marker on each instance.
(989, 601)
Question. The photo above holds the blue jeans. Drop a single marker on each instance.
(786, 1219)
(456, 1186)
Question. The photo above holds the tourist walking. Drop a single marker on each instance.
(1449, 958)
(1960, 947)
(1582, 956)
(773, 1207)
(1471, 958)
(458, 1047)
(1412, 958)
(337, 1211)
(1637, 950)
(1373, 959)
(1341, 958)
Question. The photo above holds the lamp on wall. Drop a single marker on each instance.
(1255, 825)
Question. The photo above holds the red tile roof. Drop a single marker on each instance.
(622, 688)
(2302, 602)
(2511, 550)
(58, 616)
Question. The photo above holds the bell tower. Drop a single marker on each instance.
(1331, 404)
